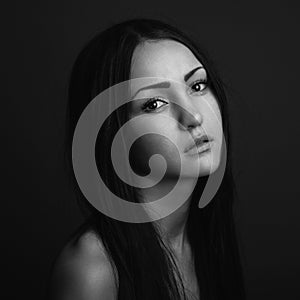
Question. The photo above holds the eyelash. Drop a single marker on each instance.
(155, 99)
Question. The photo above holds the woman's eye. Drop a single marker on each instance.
(199, 85)
(152, 104)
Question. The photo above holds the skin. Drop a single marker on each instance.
(194, 111)
(194, 105)
(83, 270)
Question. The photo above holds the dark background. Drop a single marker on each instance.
(256, 48)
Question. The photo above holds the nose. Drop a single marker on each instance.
(189, 117)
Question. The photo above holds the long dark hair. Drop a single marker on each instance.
(144, 266)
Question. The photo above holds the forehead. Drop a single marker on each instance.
(164, 58)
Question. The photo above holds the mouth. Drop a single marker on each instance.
(200, 150)
(200, 144)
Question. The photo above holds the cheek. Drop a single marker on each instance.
(212, 117)
(147, 144)
(215, 111)
(154, 133)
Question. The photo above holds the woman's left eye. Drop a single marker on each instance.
(199, 85)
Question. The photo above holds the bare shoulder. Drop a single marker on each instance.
(83, 271)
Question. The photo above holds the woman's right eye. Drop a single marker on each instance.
(150, 103)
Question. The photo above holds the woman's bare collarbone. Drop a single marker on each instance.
(185, 265)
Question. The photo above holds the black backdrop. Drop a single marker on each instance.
(256, 48)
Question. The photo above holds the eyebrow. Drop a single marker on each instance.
(190, 74)
(166, 84)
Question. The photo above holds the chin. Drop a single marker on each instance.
(207, 165)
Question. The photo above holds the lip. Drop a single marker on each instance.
(200, 149)
(200, 145)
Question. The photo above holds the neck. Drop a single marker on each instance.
(172, 228)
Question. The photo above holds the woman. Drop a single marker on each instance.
(192, 253)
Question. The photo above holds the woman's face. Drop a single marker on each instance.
(194, 112)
